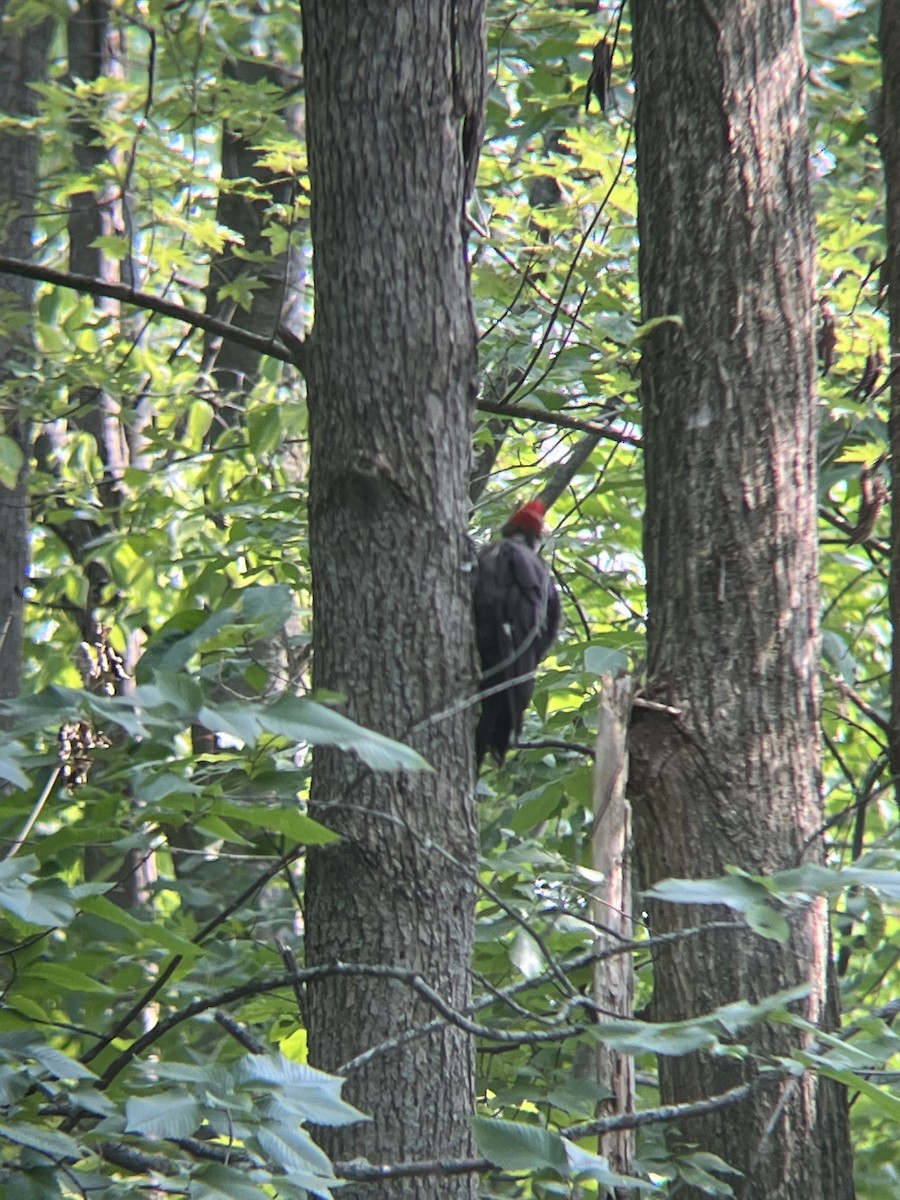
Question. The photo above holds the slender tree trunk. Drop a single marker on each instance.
(889, 140)
(731, 554)
(22, 65)
(235, 367)
(611, 852)
(96, 52)
(248, 212)
(391, 386)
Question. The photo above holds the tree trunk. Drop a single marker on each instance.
(889, 141)
(391, 386)
(22, 65)
(236, 367)
(728, 391)
(95, 52)
(613, 911)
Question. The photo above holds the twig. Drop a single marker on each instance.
(34, 814)
(556, 744)
(529, 412)
(360, 1172)
(241, 1035)
(370, 970)
(290, 964)
(866, 709)
(671, 1112)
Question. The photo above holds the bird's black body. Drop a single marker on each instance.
(516, 621)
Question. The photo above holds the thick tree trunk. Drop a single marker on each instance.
(730, 544)
(391, 384)
(22, 65)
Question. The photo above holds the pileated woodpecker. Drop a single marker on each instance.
(516, 620)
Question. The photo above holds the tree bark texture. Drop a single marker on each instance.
(889, 141)
(391, 383)
(728, 388)
(22, 64)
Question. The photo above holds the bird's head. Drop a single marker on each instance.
(527, 521)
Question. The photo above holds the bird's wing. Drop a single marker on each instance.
(533, 601)
(516, 604)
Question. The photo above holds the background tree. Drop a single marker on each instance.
(22, 67)
(731, 776)
(889, 44)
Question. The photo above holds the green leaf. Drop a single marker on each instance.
(60, 1065)
(239, 721)
(516, 1146)
(313, 1095)
(303, 720)
(36, 902)
(11, 459)
(213, 1181)
(10, 770)
(740, 1013)
(153, 931)
(540, 806)
(604, 660)
(264, 429)
(837, 652)
(289, 821)
(585, 1164)
(670, 1038)
(695, 1175)
(292, 1148)
(736, 891)
(51, 1142)
(746, 895)
(163, 1115)
(66, 978)
(644, 330)
(267, 609)
(200, 421)
(887, 1103)
(768, 923)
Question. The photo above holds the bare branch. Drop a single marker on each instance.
(166, 308)
(362, 1172)
(528, 412)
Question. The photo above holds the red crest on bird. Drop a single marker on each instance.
(528, 519)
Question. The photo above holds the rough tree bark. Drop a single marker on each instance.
(22, 64)
(391, 386)
(731, 556)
